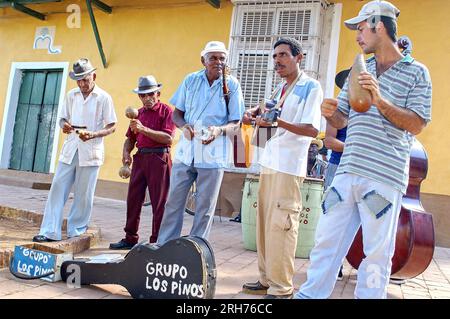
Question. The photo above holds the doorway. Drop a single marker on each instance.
(35, 120)
(30, 133)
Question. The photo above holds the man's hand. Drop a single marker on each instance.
(136, 126)
(215, 131)
(248, 118)
(329, 107)
(188, 131)
(126, 159)
(368, 82)
(260, 122)
(86, 135)
(67, 128)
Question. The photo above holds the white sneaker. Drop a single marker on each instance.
(397, 281)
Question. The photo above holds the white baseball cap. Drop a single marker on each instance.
(373, 8)
(214, 46)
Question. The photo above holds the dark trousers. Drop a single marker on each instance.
(150, 170)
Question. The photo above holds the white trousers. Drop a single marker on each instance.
(351, 201)
(84, 180)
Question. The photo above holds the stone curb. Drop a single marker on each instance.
(74, 245)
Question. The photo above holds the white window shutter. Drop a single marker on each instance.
(256, 28)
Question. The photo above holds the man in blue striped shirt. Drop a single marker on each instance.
(373, 174)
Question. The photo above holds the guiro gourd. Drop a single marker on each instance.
(359, 98)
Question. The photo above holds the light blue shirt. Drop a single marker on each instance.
(203, 106)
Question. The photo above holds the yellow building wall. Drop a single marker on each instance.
(426, 24)
(164, 41)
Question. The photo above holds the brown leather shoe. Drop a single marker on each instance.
(254, 288)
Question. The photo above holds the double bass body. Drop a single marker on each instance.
(414, 246)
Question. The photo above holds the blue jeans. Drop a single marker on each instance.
(208, 186)
(84, 180)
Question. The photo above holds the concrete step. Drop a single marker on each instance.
(105, 189)
(25, 179)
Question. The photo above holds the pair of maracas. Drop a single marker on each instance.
(125, 171)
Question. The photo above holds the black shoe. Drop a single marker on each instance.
(254, 288)
(236, 219)
(42, 239)
(122, 244)
(278, 296)
(340, 274)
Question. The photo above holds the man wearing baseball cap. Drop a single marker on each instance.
(372, 176)
(86, 116)
(204, 115)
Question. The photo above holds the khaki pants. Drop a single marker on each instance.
(279, 206)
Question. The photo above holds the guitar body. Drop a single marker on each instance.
(415, 242)
(183, 268)
(242, 147)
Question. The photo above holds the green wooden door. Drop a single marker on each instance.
(35, 121)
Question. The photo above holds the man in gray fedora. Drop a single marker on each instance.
(152, 133)
(86, 116)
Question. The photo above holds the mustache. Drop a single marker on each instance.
(277, 66)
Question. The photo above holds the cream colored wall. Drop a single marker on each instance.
(165, 42)
(426, 24)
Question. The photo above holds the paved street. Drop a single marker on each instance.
(235, 265)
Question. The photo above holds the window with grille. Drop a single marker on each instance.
(257, 25)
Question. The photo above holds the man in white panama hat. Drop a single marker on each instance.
(204, 116)
(86, 116)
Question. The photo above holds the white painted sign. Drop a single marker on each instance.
(44, 40)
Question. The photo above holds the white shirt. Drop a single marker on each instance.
(287, 152)
(95, 112)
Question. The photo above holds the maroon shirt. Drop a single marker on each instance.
(159, 119)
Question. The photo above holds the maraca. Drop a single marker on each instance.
(131, 113)
(360, 99)
(125, 171)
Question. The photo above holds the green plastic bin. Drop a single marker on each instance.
(312, 191)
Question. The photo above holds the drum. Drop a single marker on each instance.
(312, 191)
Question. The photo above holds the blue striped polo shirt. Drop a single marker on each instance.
(374, 147)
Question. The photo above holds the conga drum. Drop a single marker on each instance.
(312, 192)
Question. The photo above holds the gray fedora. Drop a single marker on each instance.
(81, 69)
(147, 84)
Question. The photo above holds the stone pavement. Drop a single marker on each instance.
(235, 265)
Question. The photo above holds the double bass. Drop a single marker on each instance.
(414, 243)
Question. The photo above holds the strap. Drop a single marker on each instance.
(280, 102)
(288, 91)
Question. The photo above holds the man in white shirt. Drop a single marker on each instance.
(283, 168)
(87, 115)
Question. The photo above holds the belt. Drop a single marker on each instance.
(145, 150)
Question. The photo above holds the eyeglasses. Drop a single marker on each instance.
(147, 94)
(213, 58)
